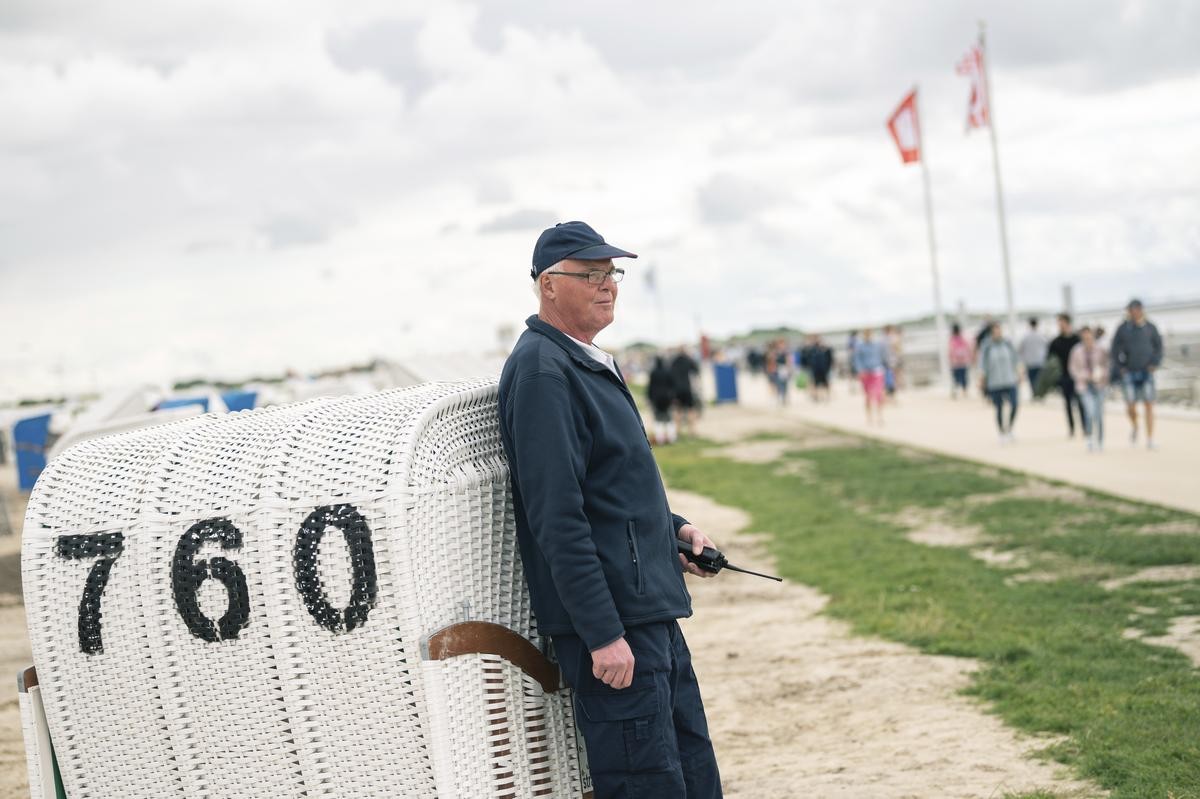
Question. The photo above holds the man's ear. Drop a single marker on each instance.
(546, 286)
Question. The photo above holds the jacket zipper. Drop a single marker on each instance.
(631, 533)
(633, 404)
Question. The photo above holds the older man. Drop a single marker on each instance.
(597, 537)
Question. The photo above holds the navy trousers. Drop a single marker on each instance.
(999, 395)
(651, 739)
(1066, 384)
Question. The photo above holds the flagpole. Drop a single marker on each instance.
(652, 274)
(939, 314)
(991, 112)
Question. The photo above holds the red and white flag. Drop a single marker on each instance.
(972, 67)
(906, 129)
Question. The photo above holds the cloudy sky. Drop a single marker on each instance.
(245, 186)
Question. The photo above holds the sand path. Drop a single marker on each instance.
(929, 419)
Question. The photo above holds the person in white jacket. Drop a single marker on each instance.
(1088, 366)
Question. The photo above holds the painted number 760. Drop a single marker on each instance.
(188, 574)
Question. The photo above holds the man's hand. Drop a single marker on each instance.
(613, 664)
(698, 540)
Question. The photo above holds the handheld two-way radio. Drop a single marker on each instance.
(711, 560)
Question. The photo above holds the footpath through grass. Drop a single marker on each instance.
(1059, 648)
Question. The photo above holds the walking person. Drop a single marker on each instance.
(804, 367)
(597, 537)
(769, 366)
(661, 392)
(894, 366)
(869, 362)
(1001, 366)
(1137, 350)
(1060, 349)
(985, 331)
(1033, 349)
(1089, 368)
(819, 357)
(779, 369)
(981, 338)
(851, 346)
(961, 355)
(683, 367)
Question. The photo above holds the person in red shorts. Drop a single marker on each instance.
(870, 361)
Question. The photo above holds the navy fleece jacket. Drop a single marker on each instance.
(596, 534)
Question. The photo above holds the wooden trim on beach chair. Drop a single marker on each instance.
(487, 638)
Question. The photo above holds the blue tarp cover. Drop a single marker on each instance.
(726, 377)
(239, 400)
(183, 402)
(29, 440)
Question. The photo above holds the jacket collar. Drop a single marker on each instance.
(560, 338)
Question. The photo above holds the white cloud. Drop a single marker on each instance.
(249, 186)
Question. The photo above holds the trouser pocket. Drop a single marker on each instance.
(624, 729)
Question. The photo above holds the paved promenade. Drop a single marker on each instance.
(966, 428)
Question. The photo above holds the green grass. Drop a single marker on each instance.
(1055, 658)
(889, 478)
(1079, 532)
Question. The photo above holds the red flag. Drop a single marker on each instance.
(972, 67)
(905, 129)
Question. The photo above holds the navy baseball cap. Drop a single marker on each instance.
(576, 240)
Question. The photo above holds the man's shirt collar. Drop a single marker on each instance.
(574, 347)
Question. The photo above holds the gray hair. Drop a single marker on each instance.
(536, 285)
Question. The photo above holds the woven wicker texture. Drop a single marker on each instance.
(234, 606)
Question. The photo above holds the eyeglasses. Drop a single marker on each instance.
(595, 277)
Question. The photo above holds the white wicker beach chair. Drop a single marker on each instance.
(322, 599)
